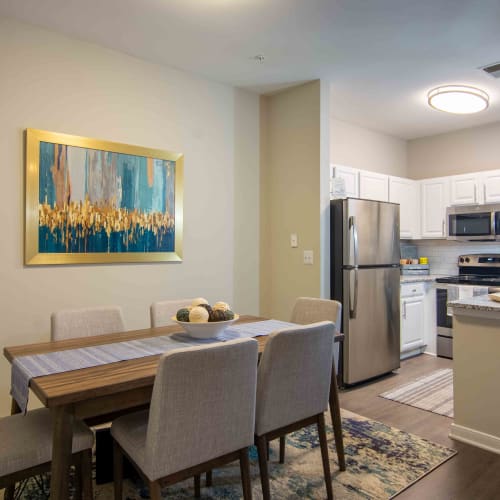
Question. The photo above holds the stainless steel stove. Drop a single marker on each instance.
(476, 269)
(478, 274)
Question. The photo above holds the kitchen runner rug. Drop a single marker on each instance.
(381, 462)
(433, 392)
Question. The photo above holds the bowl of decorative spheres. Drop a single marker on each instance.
(207, 330)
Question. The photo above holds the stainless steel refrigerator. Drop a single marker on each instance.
(365, 279)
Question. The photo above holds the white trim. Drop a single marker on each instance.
(475, 438)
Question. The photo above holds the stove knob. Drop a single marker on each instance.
(461, 260)
(467, 259)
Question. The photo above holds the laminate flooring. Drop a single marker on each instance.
(473, 474)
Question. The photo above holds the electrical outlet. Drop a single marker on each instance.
(294, 241)
(308, 257)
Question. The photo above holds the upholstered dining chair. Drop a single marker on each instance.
(202, 415)
(26, 450)
(85, 322)
(311, 310)
(293, 383)
(162, 311)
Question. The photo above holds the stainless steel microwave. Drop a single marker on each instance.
(473, 222)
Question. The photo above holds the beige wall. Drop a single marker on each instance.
(468, 150)
(359, 147)
(290, 197)
(56, 83)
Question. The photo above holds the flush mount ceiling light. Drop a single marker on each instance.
(459, 99)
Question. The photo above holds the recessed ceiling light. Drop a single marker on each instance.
(459, 99)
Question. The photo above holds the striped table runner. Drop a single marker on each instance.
(24, 368)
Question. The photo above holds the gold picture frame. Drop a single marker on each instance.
(90, 201)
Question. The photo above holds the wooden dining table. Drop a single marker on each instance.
(101, 393)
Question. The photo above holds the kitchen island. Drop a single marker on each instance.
(476, 367)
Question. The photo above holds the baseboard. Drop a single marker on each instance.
(475, 438)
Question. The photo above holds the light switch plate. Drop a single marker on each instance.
(308, 257)
(294, 241)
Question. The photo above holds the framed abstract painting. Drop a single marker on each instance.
(93, 201)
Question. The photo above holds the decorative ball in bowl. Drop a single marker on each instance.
(205, 330)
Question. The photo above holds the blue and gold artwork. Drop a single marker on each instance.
(99, 202)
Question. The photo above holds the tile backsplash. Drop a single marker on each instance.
(443, 254)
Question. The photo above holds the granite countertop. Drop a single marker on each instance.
(478, 303)
(409, 278)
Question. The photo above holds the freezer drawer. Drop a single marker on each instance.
(371, 323)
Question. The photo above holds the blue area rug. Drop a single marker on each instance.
(381, 462)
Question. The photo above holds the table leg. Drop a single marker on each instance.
(62, 438)
(336, 419)
(14, 407)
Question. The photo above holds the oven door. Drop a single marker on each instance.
(470, 223)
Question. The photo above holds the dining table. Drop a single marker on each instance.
(101, 393)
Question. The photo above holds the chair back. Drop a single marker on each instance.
(202, 406)
(311, 310)
(161, 312)
(293, 380)
(73, 323)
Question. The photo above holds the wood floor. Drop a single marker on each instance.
(472, 474)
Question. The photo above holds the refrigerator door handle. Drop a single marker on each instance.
(354, 229)
(353, 306)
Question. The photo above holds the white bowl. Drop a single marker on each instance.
(205, 330)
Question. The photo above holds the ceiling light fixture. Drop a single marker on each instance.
(458, 99)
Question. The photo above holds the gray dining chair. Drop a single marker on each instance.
(202, 415)
(86, 322)
(308, 310)
(162, 311)
(26, 450)
(293, 384)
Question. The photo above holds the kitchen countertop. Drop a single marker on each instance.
(409, 278)
(478, 303)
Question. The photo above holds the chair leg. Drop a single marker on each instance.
(264, 475)
(9, 492)
(282, 449)
(268, 450)
(245, 474)
(336, 420)
(78, 476)
(86, 477)
(118, 470)
(324, 455)
(208, 480)
(197, 486)
(155, 490)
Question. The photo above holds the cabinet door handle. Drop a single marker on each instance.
(484, 193)
(475, 193)
(404, 309)
(442, 228)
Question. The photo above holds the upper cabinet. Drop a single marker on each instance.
(479, 187)
(406, 192)
(434, 200)
(465, 189)
(350, 177)
(373, 186)
(490, 187)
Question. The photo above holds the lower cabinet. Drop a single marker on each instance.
(413, 324)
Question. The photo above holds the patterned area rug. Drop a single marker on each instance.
(381, 462)
(433, 392)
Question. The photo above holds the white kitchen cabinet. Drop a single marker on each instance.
(490, 186)
(412, 319)
(434, 200)
(350, 176)
(406, 192)
(373, 186)
(465, 189)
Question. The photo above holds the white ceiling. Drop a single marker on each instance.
(381, 56)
